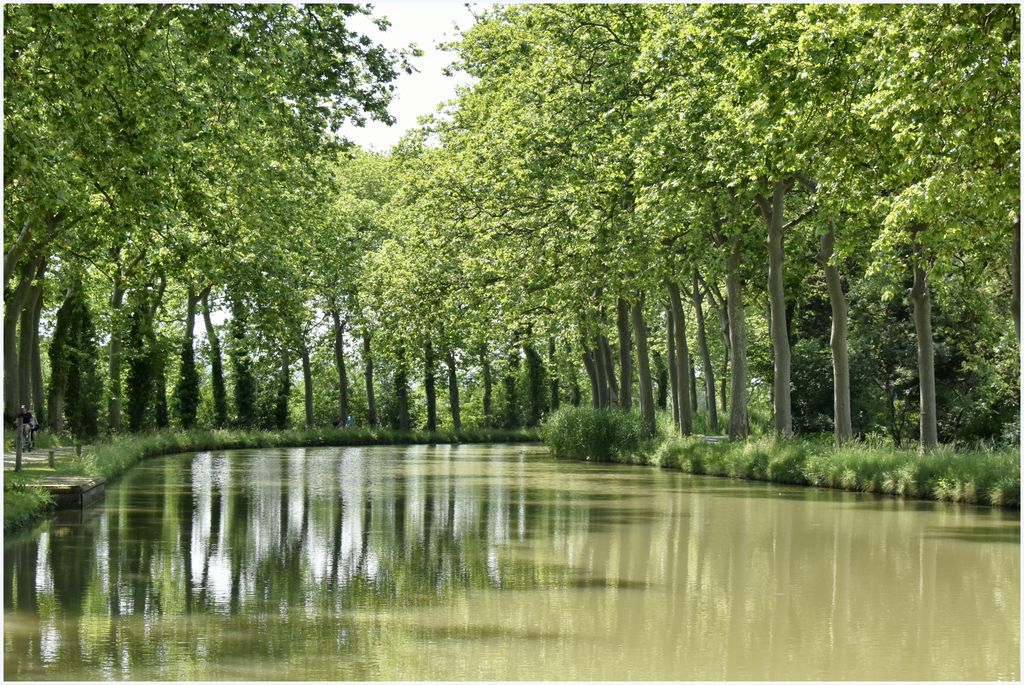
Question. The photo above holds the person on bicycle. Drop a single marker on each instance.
(28, 425)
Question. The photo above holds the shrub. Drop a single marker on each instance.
(597, 434)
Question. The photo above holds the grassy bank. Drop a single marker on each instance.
(24, 504)
(968, 476)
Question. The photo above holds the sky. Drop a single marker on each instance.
(426, 24)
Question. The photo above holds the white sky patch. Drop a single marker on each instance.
(427, 24)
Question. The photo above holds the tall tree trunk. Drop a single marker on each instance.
(682, 361)
(371, 402)
(485, 361)
(12, 314)
(673, 379)
(453, 391)
(776, 296)
(643, 362)
(114, 365)
(1015, 267)
(609, 370)
(694, 404)
(554, 401)
(220, 393)
(402, 392)
(307, 382)
(739, 423)
(783, 412)
(843, 422)
(14, 254)
(159, 361)
(921, 299)
(26, 333)
(625, 356)
(284, 391)
(339, 362)
(429, 386)
(535, 385)
(595, 383)
(38, 398)
(601, 373)
(708, 370)
(661, 373)
(722, 310)
(511, 406)
(58, 380)
(186, 392)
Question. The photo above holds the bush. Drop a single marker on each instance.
(597, 434)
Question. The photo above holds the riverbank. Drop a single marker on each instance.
(24, 504)
(987, 477)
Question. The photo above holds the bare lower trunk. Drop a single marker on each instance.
(554, 402)
(488, 413)
(371, 402)
(601, 374)
(38, 398)
(739, 425)
(643, 363)
(453, 391)
(402, 392)
(707, 369)
(921, 299)
(673, 381)
(220, 393)
(429, 386)
(1015, 267)
(694, 403)
(609, 370)
(842, 420)
(58, 382)
(307, 382)
(12, 313)
(783, 413)
(15, 252)
(625, 356)
(25, 336)
(114, 365)
(595, 384)
(339, 362)
(682, 361)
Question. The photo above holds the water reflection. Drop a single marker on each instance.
(496, 563)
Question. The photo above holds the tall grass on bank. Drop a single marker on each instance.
(598, 434)
(967, 476)
(23, 503)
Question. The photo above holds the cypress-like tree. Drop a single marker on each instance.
(141, 372)
(241, 369)
(186, 392)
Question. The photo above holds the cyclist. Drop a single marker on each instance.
(28, 428)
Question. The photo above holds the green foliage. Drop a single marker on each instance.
(597, 434)
(186, 392)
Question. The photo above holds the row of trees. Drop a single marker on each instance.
(616, 178)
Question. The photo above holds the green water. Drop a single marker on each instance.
(496, 562)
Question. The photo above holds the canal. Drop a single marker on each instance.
(497, 562)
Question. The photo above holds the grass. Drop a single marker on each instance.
(24, 504)
(979, 476)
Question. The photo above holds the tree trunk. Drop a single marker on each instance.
(429, 386)
(535, 385)
(14, 254)
(921, 299)
(453, 391)
(220, 393)
(600, 373)
(721, 308)
(307, 382)
(114, 365)
(625, 356)
(739, 425)
(661, 373)
(783, 412)
(707, 370)
(26, 333)
(843, 422)
(609, 370)
(12, 314)
(682, 361)
(159, 361)
(402, 392)
(554, 401)
(371, 402)
(1015, 267)
(339, 362)
(511, 406)
(595, 383)
(37, 362)
(694, 404)
(643, 363)
(284, 391)
(485, 361)
(58, 381)
(673, 380)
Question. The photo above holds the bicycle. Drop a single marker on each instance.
(27, 439)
